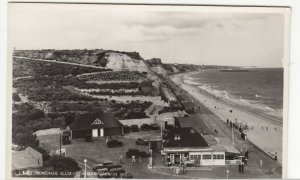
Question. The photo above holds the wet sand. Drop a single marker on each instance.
(266, 133)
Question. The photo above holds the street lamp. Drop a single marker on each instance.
(84, 167)
(227, 172)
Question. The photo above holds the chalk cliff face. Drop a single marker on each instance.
(120, 61)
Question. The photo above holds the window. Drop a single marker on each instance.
(206, 156)
(172, 157)
(218, 156)
(195, 157)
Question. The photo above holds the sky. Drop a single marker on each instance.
(190, 34)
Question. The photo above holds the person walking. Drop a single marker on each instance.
(177, 171)
(247, 154)
(173, 170)
(242, 167)
(121, 159)
(183, 169)
(133, 160)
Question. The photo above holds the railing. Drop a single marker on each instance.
(232, 162)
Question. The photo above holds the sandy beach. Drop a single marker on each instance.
(262, 131)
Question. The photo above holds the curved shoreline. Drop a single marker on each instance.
(276, 120)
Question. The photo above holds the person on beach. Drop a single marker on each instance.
(267, 128)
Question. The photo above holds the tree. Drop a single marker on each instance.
(59, 122)
(16, 97)
(61, 163)
(36, 114)
(26, 139)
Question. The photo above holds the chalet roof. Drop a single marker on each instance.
(28, 158)
(146, 83)
(94, 120)
(184, 137)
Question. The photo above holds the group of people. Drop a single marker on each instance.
(243, 162)
(178, 169)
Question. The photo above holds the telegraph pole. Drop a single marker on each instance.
(59, 144)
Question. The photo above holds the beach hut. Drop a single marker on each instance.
(96, 125)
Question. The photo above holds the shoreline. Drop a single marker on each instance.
(246, 109)
(264, 130)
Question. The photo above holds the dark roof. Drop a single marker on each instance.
(94, 120)
(188, 105)
(184, 137)
(195, 121)
(146, 83)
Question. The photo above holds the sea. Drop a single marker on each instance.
(260, 89)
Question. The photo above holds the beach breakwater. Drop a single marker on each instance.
(265, 133)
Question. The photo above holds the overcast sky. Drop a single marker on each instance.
(232, 36)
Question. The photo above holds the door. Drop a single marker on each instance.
(95, 132)
(177, 158)
(101, 132)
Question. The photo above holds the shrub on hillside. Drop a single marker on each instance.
(63, 164)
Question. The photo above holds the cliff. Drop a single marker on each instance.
(115, 60)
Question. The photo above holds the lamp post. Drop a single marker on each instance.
(232, 133)
(227, 173)
(84, 167)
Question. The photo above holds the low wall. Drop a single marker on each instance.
(47, 131)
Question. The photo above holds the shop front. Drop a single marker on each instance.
(175, 158)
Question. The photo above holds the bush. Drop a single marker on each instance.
(26, 139)
(66, 164)
(16, 97)
(59, 122)
(36, 114)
